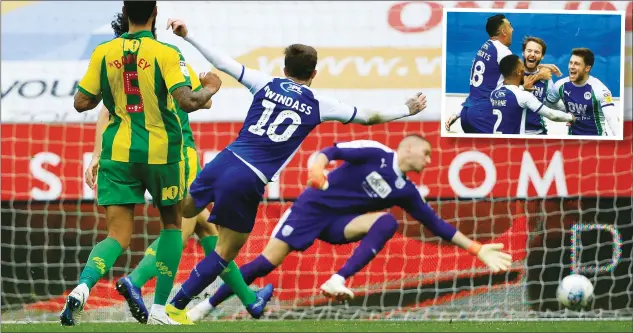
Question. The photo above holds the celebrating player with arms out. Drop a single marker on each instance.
(344, 208)
(139, 80)
(282, 114)
(511, 105)
(130, 287)
(485, 77)
(586, 98)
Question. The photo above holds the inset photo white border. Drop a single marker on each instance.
(451, 103)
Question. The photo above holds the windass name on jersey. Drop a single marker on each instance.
(287, 101)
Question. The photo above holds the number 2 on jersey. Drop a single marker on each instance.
(499, 115)
(269, 107)
(478, 70)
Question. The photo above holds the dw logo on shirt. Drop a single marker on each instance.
(375, 185)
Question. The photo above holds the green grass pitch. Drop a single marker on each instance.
(339, 326)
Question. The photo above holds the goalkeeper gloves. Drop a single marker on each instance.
(491, 255)
(317, 179)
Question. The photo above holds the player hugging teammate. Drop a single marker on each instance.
(497, 103)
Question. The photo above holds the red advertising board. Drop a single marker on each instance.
(46, 162)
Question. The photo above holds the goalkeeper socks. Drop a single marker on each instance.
(259, 267)
(101, 259)
(376, 238)
(208, 244)
(205, 272)
(146, 268)
(232, 277)
(168, 255)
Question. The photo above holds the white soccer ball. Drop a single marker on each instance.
(575, 292)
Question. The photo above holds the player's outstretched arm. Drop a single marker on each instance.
(555, 115)
(489, 254)
(252, 79)
(332, 109)
(528, 100)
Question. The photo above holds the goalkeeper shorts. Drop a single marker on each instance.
(299, 229)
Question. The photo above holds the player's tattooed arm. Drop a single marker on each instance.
(84, 102)
(190, 100)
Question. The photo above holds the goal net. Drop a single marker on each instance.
(558, 206)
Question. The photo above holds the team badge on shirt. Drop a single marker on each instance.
(378, 184)
(183, 68)
(587, 95)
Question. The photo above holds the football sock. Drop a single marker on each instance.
(146, 268)
(101, 259)
(205, 272)
(234, 279)
(376, 238)
(208, 244)
(168, 253)
(259, 267)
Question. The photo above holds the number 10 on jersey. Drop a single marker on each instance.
(260, 127)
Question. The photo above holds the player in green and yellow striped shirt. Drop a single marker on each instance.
(140, 81)
(207, 233)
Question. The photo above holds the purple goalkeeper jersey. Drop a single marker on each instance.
(369, 180)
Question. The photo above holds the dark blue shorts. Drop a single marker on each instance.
(299, 229)
(478, 119)
(466, 127)
(233, 187)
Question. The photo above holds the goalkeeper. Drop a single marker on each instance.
(142, 147)
(130, 286)
(344, 208)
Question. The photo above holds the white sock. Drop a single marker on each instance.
(338, 278)
(82, 290)
(205, 306)
(157, 308)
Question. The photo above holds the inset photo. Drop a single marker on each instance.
(533, 74)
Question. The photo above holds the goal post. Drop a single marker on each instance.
(556, 205)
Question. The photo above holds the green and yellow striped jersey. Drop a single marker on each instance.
(135, 74)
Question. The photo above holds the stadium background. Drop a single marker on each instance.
(527, 194)
(465, 33)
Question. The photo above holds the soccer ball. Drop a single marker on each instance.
(575, 292)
